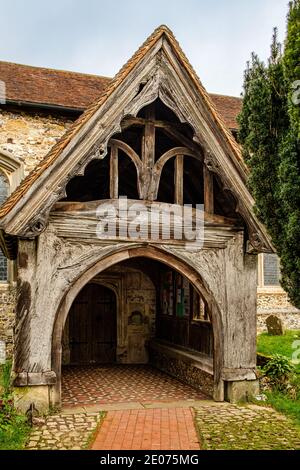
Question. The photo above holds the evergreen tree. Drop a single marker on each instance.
(289, 168)
(270, 136)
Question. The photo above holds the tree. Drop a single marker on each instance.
(270, 138)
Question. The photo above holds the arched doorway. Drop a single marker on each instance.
(147, 254)
(92, 326)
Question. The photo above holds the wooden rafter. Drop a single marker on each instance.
(172, 129)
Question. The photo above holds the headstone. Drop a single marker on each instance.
(2, 352)
(275, 326)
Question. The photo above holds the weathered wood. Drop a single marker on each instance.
(148, 151)
(174, 130)
(91, 207)
(92, 322)
(158, 167)
(82, 224)
(208, 190)
(119, 144)
(114, 172)
(141, 122)
(68, 254)
(163, 76)
(179, 179)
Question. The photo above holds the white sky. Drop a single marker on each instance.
(97, 36)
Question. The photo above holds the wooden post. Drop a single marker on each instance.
(114, 173)
(208, 190)
(179, 179)
(148, 149)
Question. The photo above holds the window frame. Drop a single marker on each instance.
(13, 170)
(261, 286)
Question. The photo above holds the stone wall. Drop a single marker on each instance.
(182, 369)
(276, 303)
(29, 137)
(7, 317)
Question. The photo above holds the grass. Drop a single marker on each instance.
(270, 345)
(14, 429)
(13, 435)
(285, 405)
(88, 445)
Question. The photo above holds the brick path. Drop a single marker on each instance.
(95, 385)
(151, 429)
(170, 426)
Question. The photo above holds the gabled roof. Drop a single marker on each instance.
(117, 80)
(164, 71)
(27, 85)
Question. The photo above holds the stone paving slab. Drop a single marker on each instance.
(132, 406)
(64, 432)
(232, 427)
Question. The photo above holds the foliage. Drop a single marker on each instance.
(6, 378)
(270, 345)
(270, 137)
(285, 398)
(279, 369)
(292, 62)
(13, 427)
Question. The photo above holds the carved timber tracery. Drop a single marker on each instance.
(150, 141)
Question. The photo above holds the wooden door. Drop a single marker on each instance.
(93, 326)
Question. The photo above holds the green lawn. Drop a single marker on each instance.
(270, 345)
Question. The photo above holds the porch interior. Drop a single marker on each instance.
(139, 331)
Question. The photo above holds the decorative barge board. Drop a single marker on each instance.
(155, 138)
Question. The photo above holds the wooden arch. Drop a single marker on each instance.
(157, 254)
(179, 153)
(115, 146)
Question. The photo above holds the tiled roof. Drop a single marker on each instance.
(229, 107)
(73, 90)
(42, 86)
(54, 153)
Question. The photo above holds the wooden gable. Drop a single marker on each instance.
(159, 70)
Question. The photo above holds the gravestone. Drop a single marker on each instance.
(275, 326)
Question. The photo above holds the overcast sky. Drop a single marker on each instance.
(98, 36)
